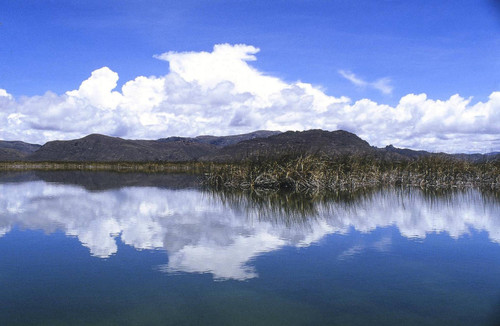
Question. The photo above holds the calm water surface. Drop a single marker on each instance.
(125, 249)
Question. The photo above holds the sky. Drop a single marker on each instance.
(422, 74)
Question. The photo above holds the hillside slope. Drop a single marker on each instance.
(259, 145)
(222, 141)
(294, 143)
(16, 150)
(100, 148)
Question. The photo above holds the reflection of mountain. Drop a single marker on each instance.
(96, 180)
(201, 233)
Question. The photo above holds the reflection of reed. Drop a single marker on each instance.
(290, 208)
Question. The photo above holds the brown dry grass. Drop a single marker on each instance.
(312, 174)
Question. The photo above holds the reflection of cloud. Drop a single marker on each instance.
(354, 250)
(220, 259)
(199, 234)
(382, 245)
(4, 231)
(203, 235)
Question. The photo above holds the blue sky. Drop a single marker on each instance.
(376, 50)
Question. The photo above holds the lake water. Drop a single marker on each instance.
(131, 249)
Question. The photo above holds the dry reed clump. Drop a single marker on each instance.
(311, 174)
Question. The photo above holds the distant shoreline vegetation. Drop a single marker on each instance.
(146, 167)
(307, 173)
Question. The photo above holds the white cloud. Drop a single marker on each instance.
(353, 78)
(3, 93)
(383, 84)
(220, 92)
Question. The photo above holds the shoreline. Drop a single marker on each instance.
(146, 167)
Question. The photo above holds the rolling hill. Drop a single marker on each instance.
(16, 150)
(259, 145)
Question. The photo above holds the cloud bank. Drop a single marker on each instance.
(221, 93)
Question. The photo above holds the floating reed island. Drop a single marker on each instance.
(347, 173)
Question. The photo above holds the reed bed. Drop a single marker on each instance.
(314, 174)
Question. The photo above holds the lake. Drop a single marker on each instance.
(82, 248)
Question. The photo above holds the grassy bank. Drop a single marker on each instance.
(312, 174)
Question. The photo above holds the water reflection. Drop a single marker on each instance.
(220, 233)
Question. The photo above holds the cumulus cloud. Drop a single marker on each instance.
(3, 93)
(220, 92)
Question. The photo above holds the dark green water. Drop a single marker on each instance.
(117, 249)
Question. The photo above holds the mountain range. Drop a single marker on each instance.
(257, 145)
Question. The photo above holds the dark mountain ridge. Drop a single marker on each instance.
(259, 145)
(222, 141)
(294, 143)
(16, 150)
(405, 152)
(100, 148)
